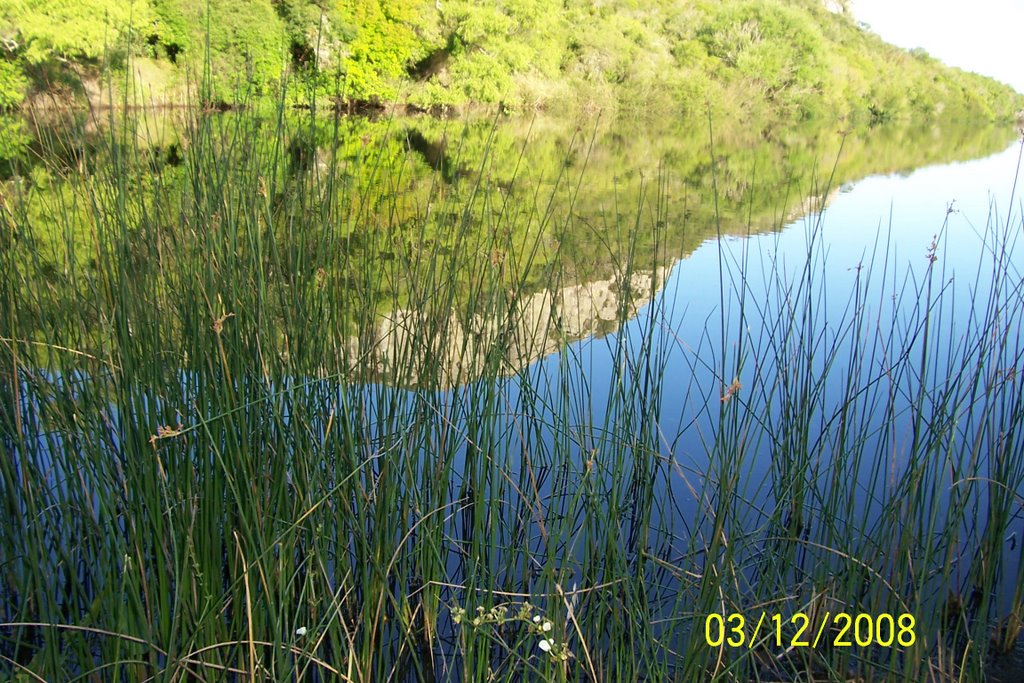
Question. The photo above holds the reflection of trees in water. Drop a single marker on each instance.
(434, 154)
(304, 154)
(410, 190)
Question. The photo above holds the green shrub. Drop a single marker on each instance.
(12, 85)
(775, 46)
(246, 39)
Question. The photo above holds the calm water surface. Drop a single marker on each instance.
(874, 236)
(716, 315)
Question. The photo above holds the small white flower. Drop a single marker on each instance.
(300, 631)
(536, 619)
(546, 626)
(545, 644)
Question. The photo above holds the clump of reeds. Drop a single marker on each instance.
(264, 417)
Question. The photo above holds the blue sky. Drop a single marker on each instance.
(986, 36)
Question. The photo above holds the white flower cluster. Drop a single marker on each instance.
(537, 624)
(495, 615)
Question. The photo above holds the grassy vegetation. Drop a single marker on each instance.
(754, 60)
(204, 475)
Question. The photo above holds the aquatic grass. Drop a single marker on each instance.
(890, 527)
(269, 419)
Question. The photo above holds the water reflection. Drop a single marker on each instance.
(549, 198)
(537, 325)
(477, 357)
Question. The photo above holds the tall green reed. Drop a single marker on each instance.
(892, 481)
(269, 416)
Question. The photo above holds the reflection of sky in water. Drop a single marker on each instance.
(891, 220)
(687, 320)
(856, 225)
(917, 205)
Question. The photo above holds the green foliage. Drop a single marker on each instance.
(493, 48)
(780, 59)
(382, 44)
(40, 39)
(775, 46)
(12, 85)
(246, 39)
(170, 33)
(14, 139)
(44, 30)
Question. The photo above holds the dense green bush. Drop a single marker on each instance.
(246, 41)
(40, 40)
(80, 30)
(775, 47)
(754, 59)
(381, 42)
(12, 85)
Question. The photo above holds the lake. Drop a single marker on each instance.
(314, 398)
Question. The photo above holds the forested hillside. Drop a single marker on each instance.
(777, 59)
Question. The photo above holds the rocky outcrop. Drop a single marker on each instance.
(837, 6)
